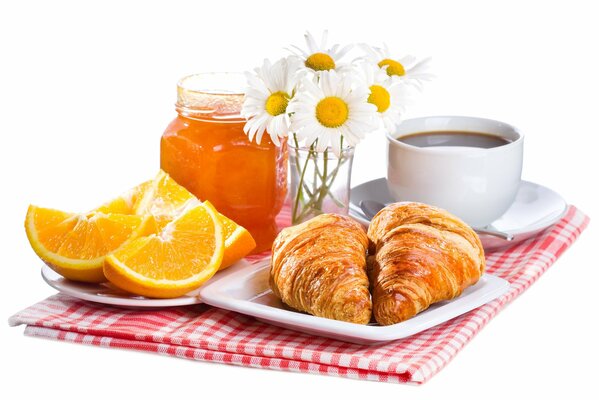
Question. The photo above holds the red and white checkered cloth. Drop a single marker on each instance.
(210, 334)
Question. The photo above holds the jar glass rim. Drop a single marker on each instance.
(223, 83)
(211, 96)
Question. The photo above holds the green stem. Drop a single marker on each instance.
(323, 189)
(301, 184)
(296, 151)
(308, 206)
(297, 157)
(320, 191)
(316, 173)
(340, 161)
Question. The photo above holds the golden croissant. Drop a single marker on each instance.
(422, 255)
(319, 267)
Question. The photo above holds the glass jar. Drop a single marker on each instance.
(205, 149)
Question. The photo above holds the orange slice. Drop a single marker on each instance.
(238, 241)
(186, 253)
(163, 199)
(75, 245)
(126, 203)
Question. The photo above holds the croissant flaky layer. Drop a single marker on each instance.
(423, 255)
(319, 267)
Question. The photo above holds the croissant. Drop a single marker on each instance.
(423, 255)
(319, 267)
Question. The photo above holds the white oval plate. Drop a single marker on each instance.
(535, 209)
(245, 290)
(106, 293)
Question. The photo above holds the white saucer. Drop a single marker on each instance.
(106, 293)
(535, 209)
(245, 290)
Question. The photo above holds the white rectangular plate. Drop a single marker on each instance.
(245, 289)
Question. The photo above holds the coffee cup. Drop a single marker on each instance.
(468, 166)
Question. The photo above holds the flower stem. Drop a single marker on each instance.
(321, 185)
(300, 185)
(297, 157)
(323, 189)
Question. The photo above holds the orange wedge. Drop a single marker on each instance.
(126, 203)
(180, 258)
(75, 245)
(163, 199)
(238, 241)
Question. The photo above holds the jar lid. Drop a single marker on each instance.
(213, 95)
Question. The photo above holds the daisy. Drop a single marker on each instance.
(332, 112)
(389, 96)
(319, 57)
(265, 105)
(407, 68)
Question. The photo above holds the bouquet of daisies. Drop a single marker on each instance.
(324, 104)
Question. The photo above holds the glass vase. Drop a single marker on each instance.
(320, 182)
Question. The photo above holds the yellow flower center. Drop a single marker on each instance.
(320, 62)
(332, 112)
(380, 97)
(276, 103)
(393, 67)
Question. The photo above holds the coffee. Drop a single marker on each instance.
(454, 139)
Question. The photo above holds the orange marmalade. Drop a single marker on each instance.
(205, 150)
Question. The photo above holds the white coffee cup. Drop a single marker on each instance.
(476, 184)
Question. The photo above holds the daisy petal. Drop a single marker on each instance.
(312, 46)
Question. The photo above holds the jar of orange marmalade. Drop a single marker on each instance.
(205, 149)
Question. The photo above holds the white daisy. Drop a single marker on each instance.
(319, 57)
(406, 68)
(265, 105)
(331, 110)
(388, 95)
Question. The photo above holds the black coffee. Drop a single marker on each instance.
(454, 139)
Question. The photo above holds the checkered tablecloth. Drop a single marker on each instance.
(210, 334)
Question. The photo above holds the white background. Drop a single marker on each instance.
(86, 89)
